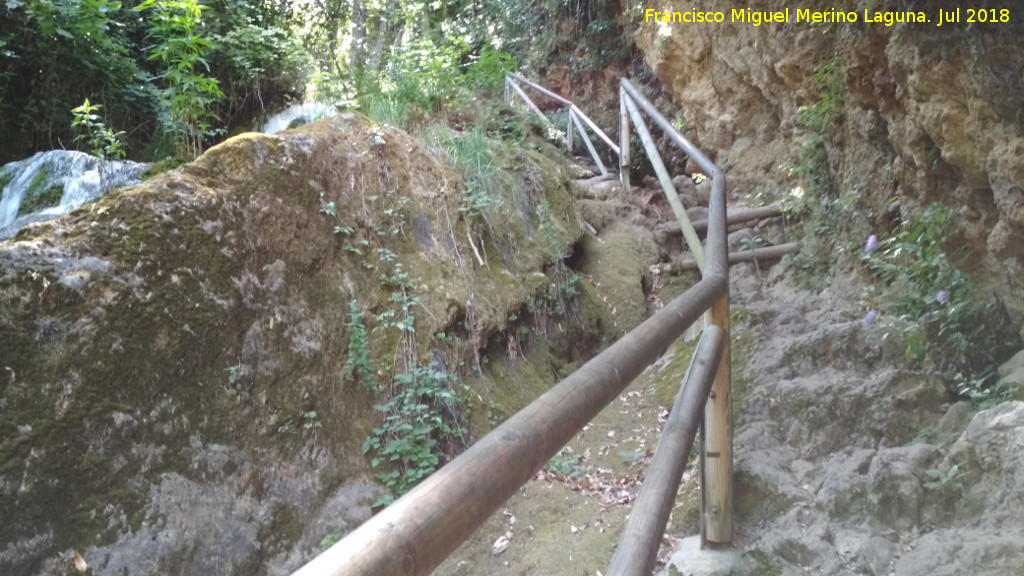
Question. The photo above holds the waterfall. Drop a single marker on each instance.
(306, 112)
(79, 176)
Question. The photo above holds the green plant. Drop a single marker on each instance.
(103, 141)
(952, 478)
(330, 210)
(311, 420)
(823, 115)
(233, 373)
(495, 414)
(175, 24)
(402, 318)
(830, 219)
(490, 69)
(566, 463)
(329, 540)
(358, 365)
(416, 418)
(934, 304)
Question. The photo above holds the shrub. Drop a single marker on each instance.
(417, 417)
(823, 115)
(928, 302)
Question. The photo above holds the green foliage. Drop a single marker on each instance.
(175, 24)
(566, 463)
(329, 540)
(823, 115)
(258, 63)
(495, 414)
(306, 422)
(358, 365)
(927, 300)
(55, 52)
(416, 419)
(489, 71)
(830, 219)
(233, 373)
(952, 478)
(474, 156)
(103, 142)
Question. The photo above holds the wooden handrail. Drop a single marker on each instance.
(418, 531)
(575, 118)
(716, 445)
(641, 538)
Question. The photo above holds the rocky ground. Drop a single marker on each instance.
(847, 460)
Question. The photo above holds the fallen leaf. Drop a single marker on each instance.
(500, 545)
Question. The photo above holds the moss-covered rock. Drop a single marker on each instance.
(164, 346)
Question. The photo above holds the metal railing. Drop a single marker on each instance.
(419, 530)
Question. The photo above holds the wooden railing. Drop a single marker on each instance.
(418, 531)
(575, 124)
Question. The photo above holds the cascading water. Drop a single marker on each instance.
(306, 112)
(81, 178)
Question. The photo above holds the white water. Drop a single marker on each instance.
(78, 173)
(307, 112)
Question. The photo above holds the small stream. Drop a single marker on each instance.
(78, 177)
(298, 114)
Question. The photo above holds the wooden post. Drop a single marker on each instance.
(736, 217)
(641, 538)
(752, 255)
(623, 141)
(716, 452)
(716, 456)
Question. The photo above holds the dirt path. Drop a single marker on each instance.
(567, 520)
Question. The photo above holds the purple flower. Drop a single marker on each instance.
(871, 246)
(869, 317)
(942, 296)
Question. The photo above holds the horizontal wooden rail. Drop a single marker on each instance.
(641, 538)
(766, 253)
(737, 217)
(419, 530)
(572, 107)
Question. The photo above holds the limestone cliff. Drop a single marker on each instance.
(918, 112)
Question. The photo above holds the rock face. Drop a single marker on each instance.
(925, 113)
(172, 389)
(848, 463)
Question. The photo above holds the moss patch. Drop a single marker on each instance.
(161, 166)
(39, 195)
